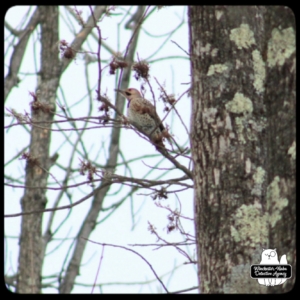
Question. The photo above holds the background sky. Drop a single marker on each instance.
(129, 224)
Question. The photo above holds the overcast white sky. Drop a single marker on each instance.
(118, 265)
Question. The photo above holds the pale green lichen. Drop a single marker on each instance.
(235, 234)
(219, 14)
(250, 226)
(258, 178)
(214, 52)
(259, 67)
(255, 126)
(275, 203)
(217, 68)
(259, 175)
(239, 104)
(206, 286)
(239, 123)
(292, 150)
(205, 49)
(248, 165)
(242, 36)
(281, 46)
(251, 135)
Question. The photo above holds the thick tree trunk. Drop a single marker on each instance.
(243, 142)
(38, 161)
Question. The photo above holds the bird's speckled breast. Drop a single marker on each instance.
(137, 115)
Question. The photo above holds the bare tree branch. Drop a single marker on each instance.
(138, 254)
(11, 79)
(90, 220)
(85, 31)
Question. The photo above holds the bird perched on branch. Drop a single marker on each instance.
(142, 114)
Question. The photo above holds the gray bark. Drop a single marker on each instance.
(243, 142)
(31, 241)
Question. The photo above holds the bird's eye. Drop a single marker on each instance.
(128, 94)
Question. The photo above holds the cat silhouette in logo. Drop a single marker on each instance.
(270, 257)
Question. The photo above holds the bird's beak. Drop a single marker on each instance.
(121, 92)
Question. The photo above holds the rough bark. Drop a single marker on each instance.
(31, 242)
(243, 142)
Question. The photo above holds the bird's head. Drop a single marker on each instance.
(130, 93)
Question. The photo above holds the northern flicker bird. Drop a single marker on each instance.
(142, 114)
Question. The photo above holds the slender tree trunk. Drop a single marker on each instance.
(88, 224)
(38, 161)
(243, 142)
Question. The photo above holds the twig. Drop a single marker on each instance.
(128, 249)
(98, 53)
(180, 47)
(98, 269)
(51, 209)
(11, 79)
(186, 290)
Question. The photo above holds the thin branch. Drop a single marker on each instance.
(128, 249)
(167, 155)
(84, 32)
(52, 209)
(11, 80)
(180, 48)
(185, 290)
(98, 270)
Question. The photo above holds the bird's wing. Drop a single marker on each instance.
(144, 106)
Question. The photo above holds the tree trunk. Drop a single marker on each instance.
(38, 161)
(88, 224)
(243, 142)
